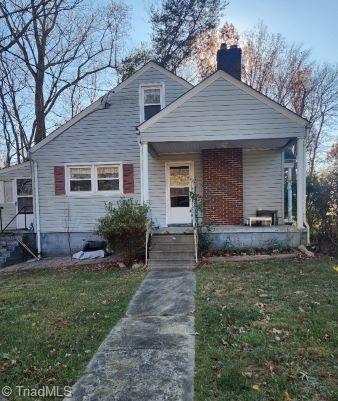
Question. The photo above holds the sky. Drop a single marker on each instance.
(313, 23)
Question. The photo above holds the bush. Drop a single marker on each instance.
(322, 195)
(124, 228)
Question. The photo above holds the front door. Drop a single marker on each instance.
(179, 179)
(24, 202)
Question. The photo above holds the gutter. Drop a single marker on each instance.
(306, 224)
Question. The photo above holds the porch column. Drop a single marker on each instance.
(300, 182)
(145, 172)
(289, 194)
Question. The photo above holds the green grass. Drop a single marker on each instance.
(51, 323)
(266, 331)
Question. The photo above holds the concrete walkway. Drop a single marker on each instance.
(149, 355)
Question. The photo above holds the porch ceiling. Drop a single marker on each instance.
(197, 146)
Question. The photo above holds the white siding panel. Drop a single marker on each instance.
(262, 181)
(105, 135)
(222, 111)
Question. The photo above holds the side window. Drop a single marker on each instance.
(108, 178)
(95, 179)
(152, 101)
(80, 179)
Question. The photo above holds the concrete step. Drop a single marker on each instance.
(165, 247)
(171, 263)
(171, 255)
(172, 239)
(173, 268)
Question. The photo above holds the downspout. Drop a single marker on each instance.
(141, 162)
(306, 224)
(37, 206)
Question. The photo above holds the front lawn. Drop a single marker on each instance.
(51, 322)
(266, 331)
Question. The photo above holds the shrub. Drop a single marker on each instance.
(202, 228)
(322, 209)
(124, 228)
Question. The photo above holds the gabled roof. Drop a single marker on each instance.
(99, 103)
(241, 85)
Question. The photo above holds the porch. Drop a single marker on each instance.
(250, 178)
(245, 237)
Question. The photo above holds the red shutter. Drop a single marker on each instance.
(128, 178)
(59, 180)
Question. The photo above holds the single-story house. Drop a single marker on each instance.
(155, 137)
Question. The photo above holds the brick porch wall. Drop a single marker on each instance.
(223, 186)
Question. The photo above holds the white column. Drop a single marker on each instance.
(145, 172)
(289, 194)
(300, 182)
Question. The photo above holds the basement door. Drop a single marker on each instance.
(179, 181)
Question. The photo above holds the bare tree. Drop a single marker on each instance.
(10, 13)
(12, 104)
(65, 44)
(206, 45)
(287, 75)
(321, 109)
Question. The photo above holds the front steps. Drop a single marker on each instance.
(11, 252)
(172, 252)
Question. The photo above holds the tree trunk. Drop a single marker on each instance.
(40, 130)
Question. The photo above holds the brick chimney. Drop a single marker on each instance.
(230, 60)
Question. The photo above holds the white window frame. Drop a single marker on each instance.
(94, 179)
(160, 86)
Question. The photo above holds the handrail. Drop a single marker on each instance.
(195, 231)
(1, 207)
(11, 221)
(148, 231)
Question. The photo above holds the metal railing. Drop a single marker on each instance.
(24, 209)
(195, 231)
(148, 232)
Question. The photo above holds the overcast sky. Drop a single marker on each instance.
(314, 23)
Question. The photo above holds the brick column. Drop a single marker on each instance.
(223, 186)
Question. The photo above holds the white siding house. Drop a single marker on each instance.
(156, 137)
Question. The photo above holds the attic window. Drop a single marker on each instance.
(152, 101)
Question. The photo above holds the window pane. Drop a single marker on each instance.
(108, 172)
(24, 186)
(152, 96)
(179, 197)
(179, 201)
(82, 185)
(179, 176)
(150, 111)
(80, 173)
(25, 201)
(108, 185)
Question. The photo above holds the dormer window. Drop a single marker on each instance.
(152, 100)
